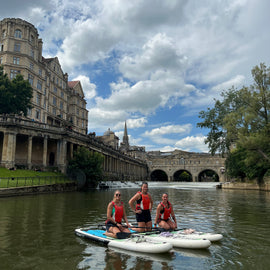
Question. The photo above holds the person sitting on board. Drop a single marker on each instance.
(115, 213)
(142, 209)
(164, 213)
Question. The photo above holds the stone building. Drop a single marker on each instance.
(109, 138)
(55, 100)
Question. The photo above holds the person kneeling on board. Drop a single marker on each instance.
(164, 213)
(115, 213)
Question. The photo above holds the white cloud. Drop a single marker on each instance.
(193, 144)
(89, 88)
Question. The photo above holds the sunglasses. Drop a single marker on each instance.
(118, 194)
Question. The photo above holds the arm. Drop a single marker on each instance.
(159, 208)
(173, 217)
(109, 213)
(132, 200)
(125, 217)
(151, 202)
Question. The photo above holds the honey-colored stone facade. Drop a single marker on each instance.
(54, 101)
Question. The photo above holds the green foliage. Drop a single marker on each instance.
(90, 163)
(15, 95)
(241, 121)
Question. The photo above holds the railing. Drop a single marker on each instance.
(11, 182)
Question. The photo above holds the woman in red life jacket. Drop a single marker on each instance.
(164, 214)
(115, 213)
(142, 209)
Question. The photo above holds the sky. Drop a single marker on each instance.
(152, 63)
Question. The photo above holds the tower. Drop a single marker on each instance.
(124, 147)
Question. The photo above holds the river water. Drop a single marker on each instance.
(37, 232)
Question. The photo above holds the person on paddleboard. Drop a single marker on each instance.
(164, 214)
(142, 209)
(115, 213)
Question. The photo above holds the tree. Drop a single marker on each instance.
(15, 94)
(239, 126)
(90, 163)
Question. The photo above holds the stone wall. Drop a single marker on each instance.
(19, 191)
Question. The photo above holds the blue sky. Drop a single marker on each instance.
(153, 63)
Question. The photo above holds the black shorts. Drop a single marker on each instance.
(145, 216)
(109, 224)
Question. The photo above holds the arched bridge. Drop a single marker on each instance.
(185, 166)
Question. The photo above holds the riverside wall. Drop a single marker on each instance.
(247, 185)
(32, 190)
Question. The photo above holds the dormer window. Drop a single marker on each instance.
(18, 33)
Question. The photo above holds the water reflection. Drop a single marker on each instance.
(37, 232)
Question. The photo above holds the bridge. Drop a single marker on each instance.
(185, 166)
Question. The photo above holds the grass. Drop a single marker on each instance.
(21, 178)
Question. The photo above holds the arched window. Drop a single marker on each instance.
(18, 33)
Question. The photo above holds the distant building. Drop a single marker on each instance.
(55, 101)
(124, 145)
(109, 138)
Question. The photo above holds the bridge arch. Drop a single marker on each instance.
(159, 175)
(182, 176)
(208, 175)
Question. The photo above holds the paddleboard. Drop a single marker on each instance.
(179, 240)
(137, 243)
(213, 237)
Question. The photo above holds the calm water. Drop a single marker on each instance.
(37, 232)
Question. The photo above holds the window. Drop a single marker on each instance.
(55, 90)
(31, 66)
(61, 105)
(38, 114)
(31, 79)
(29, 112)
(62, 94)
(44, 104)
(17, 47)
(3, 33)
(54, 101)
(32, 53)
(1, 47)
(16, 60)
(38, 99)
(32, 39)
(1, 60)
(40, 72)
(13, 73)
(18, 33)
(78, 111)
(54, 111)
(45, 91)
(39, 85)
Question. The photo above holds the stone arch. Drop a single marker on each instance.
(208, 175)
(159, 175)
(182, 176)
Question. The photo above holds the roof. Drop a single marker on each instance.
(72, 84)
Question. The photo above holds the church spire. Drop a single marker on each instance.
(125, 137)
(124, 146)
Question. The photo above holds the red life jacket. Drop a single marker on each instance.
(144, 202)
(118, 212)
(166, 212)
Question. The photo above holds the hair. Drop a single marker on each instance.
(143, 183)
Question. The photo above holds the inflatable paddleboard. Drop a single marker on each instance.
(136, 243)
(213, 237)
(179, 240)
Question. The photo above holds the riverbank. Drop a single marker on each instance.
(31, 190)
(247, 185)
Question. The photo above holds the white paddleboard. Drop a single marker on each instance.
(180, 241)
(213, 237)
(136, 244)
